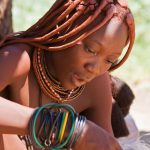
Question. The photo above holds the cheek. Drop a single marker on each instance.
(76, 59)
(72, 62)
(104, 70)
(104, 67)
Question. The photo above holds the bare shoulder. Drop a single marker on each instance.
(15, 62)
(99, 88)
(99, 91)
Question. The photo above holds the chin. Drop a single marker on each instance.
(69, 86)
(70, 83)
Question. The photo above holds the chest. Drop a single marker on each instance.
(27, 91)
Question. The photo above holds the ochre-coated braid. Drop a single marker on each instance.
(83, 36)
(47, 30)
(37, 30)
(45, 40)
(131, 26)
(84, 24)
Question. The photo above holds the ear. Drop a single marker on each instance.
(123, 3)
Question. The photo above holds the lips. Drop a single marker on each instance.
(78, 81)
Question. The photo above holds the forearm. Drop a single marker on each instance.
(94, 137)
(91, 137)
(14, 118)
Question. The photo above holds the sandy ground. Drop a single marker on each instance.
(140, 109)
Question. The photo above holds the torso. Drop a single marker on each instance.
(26, 91)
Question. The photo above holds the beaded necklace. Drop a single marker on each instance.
(49, 85)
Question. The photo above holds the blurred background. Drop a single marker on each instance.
(136, 71)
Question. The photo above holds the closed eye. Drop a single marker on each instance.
(115, 63)
(89, 50)
(112, 62)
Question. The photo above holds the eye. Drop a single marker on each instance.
(116, 62)
(110, 62)
(90, 50)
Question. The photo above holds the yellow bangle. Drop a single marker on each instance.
(64, 126)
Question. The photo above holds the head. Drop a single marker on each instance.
(90, 57)
(122, 94)
(123, 98)
(85, 37)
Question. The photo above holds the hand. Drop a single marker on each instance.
(96, 138)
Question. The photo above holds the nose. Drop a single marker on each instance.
(93, 68)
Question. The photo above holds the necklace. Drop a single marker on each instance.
(48, 84)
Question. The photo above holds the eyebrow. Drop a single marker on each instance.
(117, 53)
(95, 41)
(101, 45)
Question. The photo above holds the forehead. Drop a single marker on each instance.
(112, 36)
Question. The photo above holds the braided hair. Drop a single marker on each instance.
(70, 21)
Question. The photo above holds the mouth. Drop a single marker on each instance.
(78, 81)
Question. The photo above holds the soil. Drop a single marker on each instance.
(140, 109)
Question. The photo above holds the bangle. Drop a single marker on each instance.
(54, 119)
(59, 127)
(79, 125)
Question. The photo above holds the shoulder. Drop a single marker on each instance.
(15, 62)
(99, 88)
(99, 93)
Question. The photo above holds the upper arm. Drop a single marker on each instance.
(14, 62)
(101, 102)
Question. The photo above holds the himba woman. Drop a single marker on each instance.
(55, 90)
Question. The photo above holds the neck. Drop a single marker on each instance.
(49, 63)
(48, 84)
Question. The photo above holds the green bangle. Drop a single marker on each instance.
(52, 105)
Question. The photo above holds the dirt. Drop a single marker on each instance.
(140, 109)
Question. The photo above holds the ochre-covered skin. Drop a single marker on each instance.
(67, 34)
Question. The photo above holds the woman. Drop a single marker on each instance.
(64, 58)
